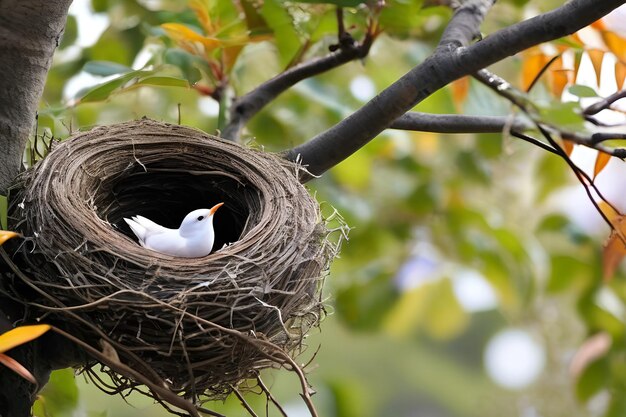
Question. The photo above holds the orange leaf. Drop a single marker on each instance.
(568, 146)
(21, 335)
(601, 160)
(202, 14)
(460, 90)
(616, 44)
(614, 249)
(620, 74)
(6, 235)
(531, 67)
(559, 77)
(17, 367)
(596, 57)
(598, 25)
(609, 211)
(575, 38)
(230, 55)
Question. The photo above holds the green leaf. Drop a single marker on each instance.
(566, 115)
(164, 81)
(433, 307)
(254, 19)
(567, 272)
(363, 304)
(582, 91)
(105, 68)
(285, 35)
(70, 33)
(593, 378)
(100, 6)
(402, 18)
(59, 398)
(104, 91)
(188, 64)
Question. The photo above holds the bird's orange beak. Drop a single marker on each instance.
(214, 208)
(6, 235)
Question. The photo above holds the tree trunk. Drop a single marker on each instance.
(30, 31)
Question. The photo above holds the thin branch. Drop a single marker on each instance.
(445, 65)
(243, 402)
(251, 103)
(535, 142)
(604, 104)
(454, 123)
(581, 176)
(504, 89)
(517, 97)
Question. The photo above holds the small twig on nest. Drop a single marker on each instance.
(270, 397)
(243, 402)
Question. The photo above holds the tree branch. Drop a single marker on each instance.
(604, 103)
(251, 103)
(450, 61)
(29, 33)
(519, 98)
(455, 123)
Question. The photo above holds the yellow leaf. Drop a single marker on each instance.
(17, 367)
(620, 74)
(460, 89)
(616, 44)
(184, 36)
(21, 335)
(201, 10)
(601, 160)
(596, 57)
(6, 235)
(614, 249)
(531, 67)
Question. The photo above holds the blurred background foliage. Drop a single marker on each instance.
(471, 284)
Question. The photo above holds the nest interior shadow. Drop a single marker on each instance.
(165, 194)
(201, 324)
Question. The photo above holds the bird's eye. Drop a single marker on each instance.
(200, 218)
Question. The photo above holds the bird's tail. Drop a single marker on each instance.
(138, 230)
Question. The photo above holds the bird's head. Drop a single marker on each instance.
(199, 221)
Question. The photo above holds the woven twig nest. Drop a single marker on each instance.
(195, 323)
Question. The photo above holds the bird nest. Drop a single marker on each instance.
(200, 325)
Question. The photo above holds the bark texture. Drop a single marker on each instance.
(30, 31)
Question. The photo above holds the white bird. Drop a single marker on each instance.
(193, 239)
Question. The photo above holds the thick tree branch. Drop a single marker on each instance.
(250, 104)
(447, 64)
(29, 33)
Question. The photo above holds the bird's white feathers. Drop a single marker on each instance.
(193, 239)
